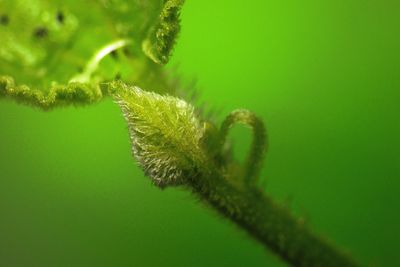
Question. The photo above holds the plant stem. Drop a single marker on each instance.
(269, 223)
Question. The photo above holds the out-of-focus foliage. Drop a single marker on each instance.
(47, 43)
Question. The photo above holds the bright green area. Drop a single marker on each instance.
(325, 77)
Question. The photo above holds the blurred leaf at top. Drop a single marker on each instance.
(47, 43)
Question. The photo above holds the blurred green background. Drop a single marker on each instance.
(324, 75)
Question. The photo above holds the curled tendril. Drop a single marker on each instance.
(259, 145)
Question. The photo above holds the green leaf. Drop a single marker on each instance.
(51, 43)
(57, 96)
(166, 135)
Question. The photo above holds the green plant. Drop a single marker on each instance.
(50, 61)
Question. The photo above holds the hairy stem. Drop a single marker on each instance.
(269, 223)
(167, 142)
(174, 149)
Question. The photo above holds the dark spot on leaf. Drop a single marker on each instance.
(126, 51)
(114, 54)
(4, 19)
(118, 76)
(41, 32)
(80, 69)
(60, 17)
